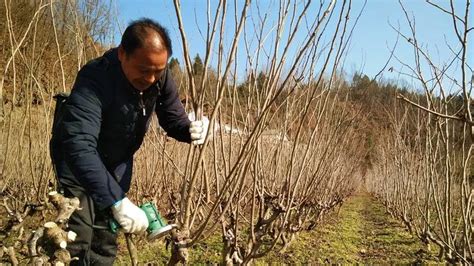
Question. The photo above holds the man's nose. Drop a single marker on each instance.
(150, 78)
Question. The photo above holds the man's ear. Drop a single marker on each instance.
(121, 53)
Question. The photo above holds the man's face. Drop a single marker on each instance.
(144, 66)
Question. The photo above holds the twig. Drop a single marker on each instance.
(445, 10)
(12, 255)
(132, 250)
(400, 96)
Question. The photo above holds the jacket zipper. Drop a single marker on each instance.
(141, 104)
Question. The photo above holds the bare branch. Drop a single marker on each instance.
(400, 96)
(445, 10)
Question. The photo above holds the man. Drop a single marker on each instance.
(103, 125)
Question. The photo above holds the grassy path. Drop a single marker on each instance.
(361, 232)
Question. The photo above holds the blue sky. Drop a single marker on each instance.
(371, 41)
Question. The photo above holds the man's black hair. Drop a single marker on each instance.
(137, 31)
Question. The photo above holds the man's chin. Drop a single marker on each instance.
(141, 87)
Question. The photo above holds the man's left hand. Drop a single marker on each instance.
(198, 130)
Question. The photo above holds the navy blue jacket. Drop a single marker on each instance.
(103, 125)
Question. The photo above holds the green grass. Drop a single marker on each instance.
(388, 241)
(361, 232)
(148, 252)
(337, 241)
(155, 252)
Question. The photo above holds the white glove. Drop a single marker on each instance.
(131, 218)
(198, 130)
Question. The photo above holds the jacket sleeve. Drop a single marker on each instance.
(171, 114)
(80, 131)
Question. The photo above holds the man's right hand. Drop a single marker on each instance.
(131, 218)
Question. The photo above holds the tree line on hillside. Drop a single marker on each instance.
(45, 43)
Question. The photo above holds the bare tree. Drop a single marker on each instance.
(429, 186)
(280, 154)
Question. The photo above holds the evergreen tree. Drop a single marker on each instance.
(198, 66)
(174, 64)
